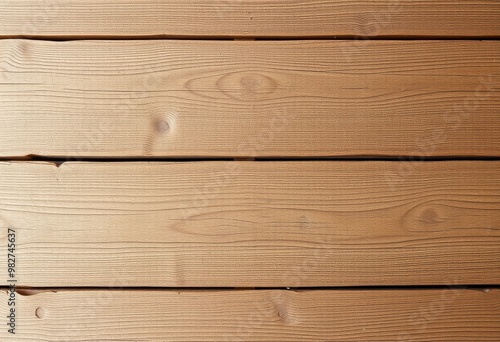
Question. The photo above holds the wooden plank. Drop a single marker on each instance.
(275, 315)
(249, 18)
(248, 99)
(253, 224)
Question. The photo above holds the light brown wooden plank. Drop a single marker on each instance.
(247, 99)
(346, 315)
(246, 224)
(249, 18)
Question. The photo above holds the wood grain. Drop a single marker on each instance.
(342, 315)
(249, 18)
(253, 224)
(247, 99)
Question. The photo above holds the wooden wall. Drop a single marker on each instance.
(250, 170)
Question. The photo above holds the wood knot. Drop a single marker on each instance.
(161, 126)
(164, 123)
(282, 309)
(23, 49)
(40, 313)
(430, 216)
(247, 85)
(251, 83)
(368, 25)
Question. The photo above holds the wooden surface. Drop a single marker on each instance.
(181, 232)
(263, 224)
(394, 315)
(249, 18)
(249, 98)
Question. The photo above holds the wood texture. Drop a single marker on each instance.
(246, 224)
(344, 315)
(249, 18)
(246, 99)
